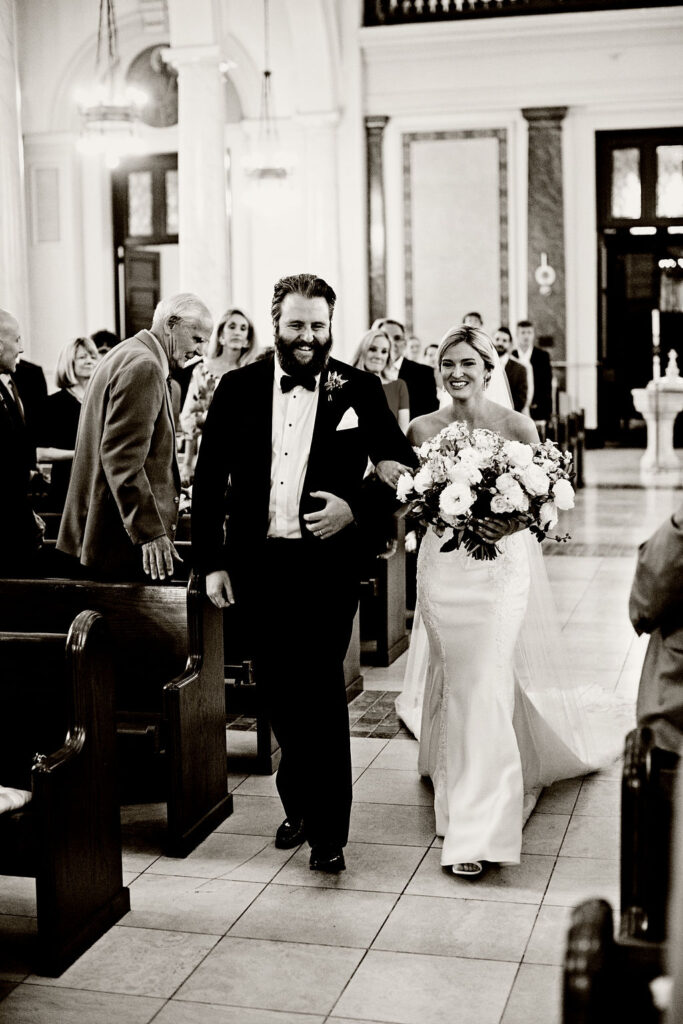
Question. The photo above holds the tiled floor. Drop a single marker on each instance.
(241, 933)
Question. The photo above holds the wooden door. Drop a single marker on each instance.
(142, 283)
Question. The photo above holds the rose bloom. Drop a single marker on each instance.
(534, 480)
(423, 480)
(518, 453)
(547, 515)
(563, 493)
(455, 499)
(500, 504)
(404, 486)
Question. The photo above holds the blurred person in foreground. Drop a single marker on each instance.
(121, 507)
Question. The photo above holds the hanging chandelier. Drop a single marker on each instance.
(110, 110)
(267, 166)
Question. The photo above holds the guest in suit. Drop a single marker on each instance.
(60, 413)
(374, 356)
(515, 372)
(539, 372)
(655, 607)
(32, 387)
(292, 434)
(121, 508)
(20, 528)
(419, 378)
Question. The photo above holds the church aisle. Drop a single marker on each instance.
(241, 933)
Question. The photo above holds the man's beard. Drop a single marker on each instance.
(291, 365)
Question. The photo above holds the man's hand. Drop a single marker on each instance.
(332, 518)
(390, 472)
(219, 589)
(157, 557)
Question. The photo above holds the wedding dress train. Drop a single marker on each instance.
(485, 691)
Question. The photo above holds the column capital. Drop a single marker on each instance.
(545, 117)
(186, 56)
(376, 123)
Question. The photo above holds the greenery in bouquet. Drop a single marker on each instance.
(465, 476)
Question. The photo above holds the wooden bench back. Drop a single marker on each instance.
(148, 625)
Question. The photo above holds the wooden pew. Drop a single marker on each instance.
(170, 696)
(57, 698)
(608, 978)
(384, 636)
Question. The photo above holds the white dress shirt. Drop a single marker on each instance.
(293, 422)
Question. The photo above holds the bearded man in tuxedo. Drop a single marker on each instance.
(419, 379)
(289, 437)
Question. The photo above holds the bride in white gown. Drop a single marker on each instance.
(498, 719)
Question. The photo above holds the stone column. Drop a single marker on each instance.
(546, 225)
(377, 234)
(13, 265)
(203, 241)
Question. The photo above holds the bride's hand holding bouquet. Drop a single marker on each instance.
(482, 487)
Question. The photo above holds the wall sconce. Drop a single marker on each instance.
(545, 276)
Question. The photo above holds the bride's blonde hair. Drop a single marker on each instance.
(475, 337)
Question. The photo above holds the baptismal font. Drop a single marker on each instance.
(660, 403)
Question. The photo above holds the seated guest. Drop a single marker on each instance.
(655, 607)
(233, 344)
(374, 356)
(59, 415)
(104, 341)
(516, 373)
(419, 378)
(21, 530)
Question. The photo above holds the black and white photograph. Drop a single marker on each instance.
(341, 504)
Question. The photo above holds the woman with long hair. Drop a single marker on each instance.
(232, 344)
(374, 355)
(60, 413)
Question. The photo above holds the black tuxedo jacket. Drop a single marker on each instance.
(421, 387)
(236, 449)
(17, 525)
(519, 385)
(542, 402)
(32, 387)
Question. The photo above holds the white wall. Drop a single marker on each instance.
(612, 69)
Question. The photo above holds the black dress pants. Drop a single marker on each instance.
(301, 597)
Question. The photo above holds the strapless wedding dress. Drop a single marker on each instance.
(495, 721)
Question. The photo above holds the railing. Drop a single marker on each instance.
(398, 12)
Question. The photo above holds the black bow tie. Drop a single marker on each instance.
(287, 383)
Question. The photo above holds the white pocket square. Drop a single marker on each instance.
(349, 420)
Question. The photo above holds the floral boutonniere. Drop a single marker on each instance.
(334, 382)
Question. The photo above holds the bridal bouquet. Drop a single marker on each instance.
(467, 475)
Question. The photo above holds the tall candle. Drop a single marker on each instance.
(655, 326)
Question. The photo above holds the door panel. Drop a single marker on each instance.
(142, 277)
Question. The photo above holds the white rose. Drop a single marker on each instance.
(455, 499)
(563, 493)
(534, 479)
(500, 503)
(404, 486)
(519, 454)
(423, 480)
(505, 482)
(547, 515)
(516, 497)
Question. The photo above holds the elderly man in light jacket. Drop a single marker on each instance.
(121, 508)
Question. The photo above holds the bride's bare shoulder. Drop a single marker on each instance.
(423, 427)
(517, 427)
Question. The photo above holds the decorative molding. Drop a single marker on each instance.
(503, 240)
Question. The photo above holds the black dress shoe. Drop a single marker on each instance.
(327, 858)
(290, 834)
